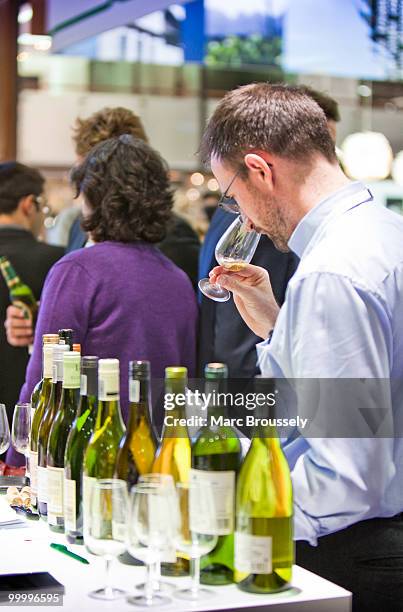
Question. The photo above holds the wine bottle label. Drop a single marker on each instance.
(71, 374)
(253, 554)
(87, 485)
(69, 498)
(42, 481)
(33, 472)
(212, 502)
(134, 391)
(55, 491)
(83, 385)
(108, 386)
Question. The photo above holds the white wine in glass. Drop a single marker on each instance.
(234, 250)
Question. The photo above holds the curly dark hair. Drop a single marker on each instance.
(126, 186)
(106, 123)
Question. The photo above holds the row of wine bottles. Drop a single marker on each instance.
(78, 435)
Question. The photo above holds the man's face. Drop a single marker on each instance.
(37, 216)
(266, 212)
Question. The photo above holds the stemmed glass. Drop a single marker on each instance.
(235, 248)
(105, 528)
(149, 532)
(193, 499)
(21, 431)
(4, 430)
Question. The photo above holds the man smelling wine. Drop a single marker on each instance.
(342, 318)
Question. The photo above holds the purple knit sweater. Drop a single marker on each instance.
(123, 300)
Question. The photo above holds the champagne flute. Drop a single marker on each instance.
(235, 248)
(193, 499)
(21, 431)
(105, 528)
(148, 533)
(4, 430)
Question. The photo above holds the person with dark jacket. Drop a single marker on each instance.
(21, 220)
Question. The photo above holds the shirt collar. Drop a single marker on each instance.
(338, 202)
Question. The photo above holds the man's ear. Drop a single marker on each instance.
(259, 168)
(27, 205)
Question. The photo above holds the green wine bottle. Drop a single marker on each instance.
(35, 395)
(216, 458)
(173, 453)
(66, 337)
(58, 434)
(45, 425)
(138, 445)
(264, 550)
(101, 453)
(77, 441)
(20, 294)
(37, 417)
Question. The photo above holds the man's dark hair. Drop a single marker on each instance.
(280, 119)
(327, 104)
(126, 186)
(17, 181)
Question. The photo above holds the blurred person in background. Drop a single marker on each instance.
(21, 221)
(181, 243)
(122, 297)
(210, 201)
(224, 336)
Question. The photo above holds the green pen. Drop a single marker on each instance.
(63, 549)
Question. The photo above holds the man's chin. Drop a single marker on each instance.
(279, 243)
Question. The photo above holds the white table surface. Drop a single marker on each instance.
(26, 549)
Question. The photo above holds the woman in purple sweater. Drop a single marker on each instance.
(122, 296)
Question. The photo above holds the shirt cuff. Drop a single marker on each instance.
(304, 527)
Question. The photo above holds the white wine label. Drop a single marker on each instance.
(33, 472)
(83, 385)
(212, 500)
(42, 482)
(134, 391)
(55, 490)
(71, 374)
(253, 554)
(69, 499)
(108, 386)
(87, 485)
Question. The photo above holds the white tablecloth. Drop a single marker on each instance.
(26, 549)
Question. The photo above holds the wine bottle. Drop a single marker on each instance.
(21, 295)
(36, 420)
(45, 425)
(76, 348)
(264, 551)
(77, 442)
(173, 452)
(66, 337)
(216, 458)
(138, 445)
(46, 339)
(100, 456)
(58, 434)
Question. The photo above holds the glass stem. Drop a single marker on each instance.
(148, 591)
(157, 575)
(108, 584)
(195, 571)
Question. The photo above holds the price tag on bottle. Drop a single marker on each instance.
(212, 501)
(69, 499)
(253, 554)
(134, 391)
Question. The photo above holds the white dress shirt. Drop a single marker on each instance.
(343, 318)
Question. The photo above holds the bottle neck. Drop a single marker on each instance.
(216, 403)
(175, 409)
(140, 402)
(9, 275)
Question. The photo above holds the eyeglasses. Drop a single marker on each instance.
(41, 203)
(226, 202)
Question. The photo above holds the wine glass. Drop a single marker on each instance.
(4, 430)
(235, 248)
(149, 532)
(21, 431)
(193, 499)
(164, 480)
(105, 528)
